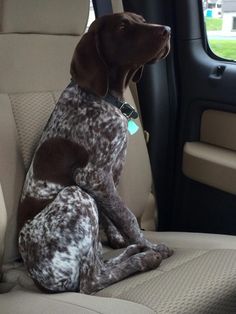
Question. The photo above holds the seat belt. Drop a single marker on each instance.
(102, 7)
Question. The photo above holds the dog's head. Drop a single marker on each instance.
(122, 40)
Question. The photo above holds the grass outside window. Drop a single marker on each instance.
(213, 24)
(224, 48)
(217, 39)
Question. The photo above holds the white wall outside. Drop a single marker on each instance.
(228, 21)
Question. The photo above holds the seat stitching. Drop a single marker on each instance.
(72, 303)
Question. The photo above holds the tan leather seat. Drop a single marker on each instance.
(36, 45)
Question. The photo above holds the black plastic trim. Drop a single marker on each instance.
(102, 7)
(158, 103)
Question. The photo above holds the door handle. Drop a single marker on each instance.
(217, 72)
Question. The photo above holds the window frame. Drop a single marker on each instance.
(206, 45)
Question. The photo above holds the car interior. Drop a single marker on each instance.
(180, 172)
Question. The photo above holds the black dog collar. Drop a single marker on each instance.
(128, 111)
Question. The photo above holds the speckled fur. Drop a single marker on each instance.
(70, 187)
(60, 245)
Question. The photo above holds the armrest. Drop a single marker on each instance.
(212, 165)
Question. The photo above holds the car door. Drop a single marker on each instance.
(205, 182)
(189, 108)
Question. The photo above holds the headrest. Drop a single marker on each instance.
(44, 16)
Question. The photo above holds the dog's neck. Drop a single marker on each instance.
(118, 81)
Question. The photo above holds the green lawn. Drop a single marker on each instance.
(224, 48)
(213, 24)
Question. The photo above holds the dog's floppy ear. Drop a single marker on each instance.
(134, 74)
(138, 74)
(87, 67)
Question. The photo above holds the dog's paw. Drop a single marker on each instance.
(135, 249)
(150, 260)
(117, 241)
(163, 250)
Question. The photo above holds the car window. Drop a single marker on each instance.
(220, 21)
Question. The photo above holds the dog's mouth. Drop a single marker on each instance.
(161, 54)
(164, 52)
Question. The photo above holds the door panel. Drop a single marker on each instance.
(212, 161)
(179, 98)
(205, 182)
(219, 128)
(211, 165)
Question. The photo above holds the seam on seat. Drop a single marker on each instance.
(71, 303)
(62, 301)
(56, 94)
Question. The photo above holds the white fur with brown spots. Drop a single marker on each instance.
(71, 187)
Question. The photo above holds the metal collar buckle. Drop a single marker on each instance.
(128, 111)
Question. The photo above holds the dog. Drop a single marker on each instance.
(71, 184)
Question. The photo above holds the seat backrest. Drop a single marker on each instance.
(37, 41)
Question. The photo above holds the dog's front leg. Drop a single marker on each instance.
(113, 207)
(115, 239)
(100, 185)
(124, 220)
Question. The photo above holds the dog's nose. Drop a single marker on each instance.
(166, 30)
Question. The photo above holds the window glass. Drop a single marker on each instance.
(220, 20)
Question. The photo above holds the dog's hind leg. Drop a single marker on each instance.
(56, 243)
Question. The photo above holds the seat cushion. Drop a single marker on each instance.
(197, 279)
(25, 302)
(193, 280)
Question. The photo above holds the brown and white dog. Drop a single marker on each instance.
(71, 184)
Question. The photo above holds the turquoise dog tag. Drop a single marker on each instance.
(132, 127)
